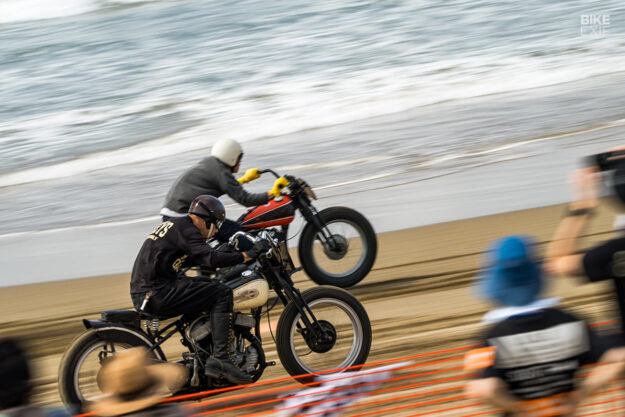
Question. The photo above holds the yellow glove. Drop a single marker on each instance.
(278, 186)
(250, 175)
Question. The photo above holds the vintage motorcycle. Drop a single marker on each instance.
(337, 245)
(320, 329)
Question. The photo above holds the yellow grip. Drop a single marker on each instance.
(250, 175)
(278, 186)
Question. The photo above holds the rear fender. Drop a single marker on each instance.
(102, 328)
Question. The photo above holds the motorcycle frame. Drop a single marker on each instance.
(279, 280)
(285, 289)
(302, 202)
(155, 339)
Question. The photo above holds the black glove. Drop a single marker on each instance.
(259, 248)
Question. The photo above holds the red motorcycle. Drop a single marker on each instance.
(337, 245)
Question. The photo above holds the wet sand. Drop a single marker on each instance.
(419, 295)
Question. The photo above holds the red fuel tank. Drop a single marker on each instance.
(277, 212)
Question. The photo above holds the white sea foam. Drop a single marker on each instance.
(499, 152)
(299, 103)
(334, 164)
(27, 10)
(502, 156)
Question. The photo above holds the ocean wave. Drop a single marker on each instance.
(432, 166)
(27, 10)
(297, 104)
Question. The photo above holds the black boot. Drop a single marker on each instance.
(221, 365)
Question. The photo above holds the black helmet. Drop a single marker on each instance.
(208, 208)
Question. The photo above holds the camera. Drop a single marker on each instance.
(607, 160)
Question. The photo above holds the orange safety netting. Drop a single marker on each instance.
(244, 401)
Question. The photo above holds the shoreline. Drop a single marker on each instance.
(606, 212)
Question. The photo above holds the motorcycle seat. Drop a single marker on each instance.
(125, 316)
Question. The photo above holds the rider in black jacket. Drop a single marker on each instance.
(214, 176)
(157, 288)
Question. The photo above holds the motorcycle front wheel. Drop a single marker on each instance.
(343, 253)
(342, 339)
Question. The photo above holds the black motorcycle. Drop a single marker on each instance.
(337, 246)
(320, 329)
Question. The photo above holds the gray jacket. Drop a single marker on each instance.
(213, 177)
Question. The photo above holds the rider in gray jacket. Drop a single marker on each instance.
(214, 176)
(210, 176)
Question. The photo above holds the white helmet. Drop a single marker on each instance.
(227, 151)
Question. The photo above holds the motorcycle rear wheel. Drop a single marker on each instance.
(341, 315)
(82, 361)
(352, 257)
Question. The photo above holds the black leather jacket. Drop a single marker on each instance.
(175, 244)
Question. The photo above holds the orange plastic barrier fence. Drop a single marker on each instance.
(221, 402)
(271, 391)
(330, 371)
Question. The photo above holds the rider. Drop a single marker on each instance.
(157, 288)
(213, 175)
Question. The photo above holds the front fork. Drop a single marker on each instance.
(290, 293)
(311, 215)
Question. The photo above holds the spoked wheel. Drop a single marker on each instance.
(341, 254)
(82, 361)
(341, 337)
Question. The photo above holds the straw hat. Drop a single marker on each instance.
(130, 383)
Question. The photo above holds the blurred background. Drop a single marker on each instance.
(105, 102)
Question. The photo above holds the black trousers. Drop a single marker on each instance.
(187, 295)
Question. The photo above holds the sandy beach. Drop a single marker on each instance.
(416, 269)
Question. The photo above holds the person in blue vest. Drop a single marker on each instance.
(532, 348)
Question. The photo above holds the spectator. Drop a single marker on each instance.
(605, 261)
(532, 348)
(133, 387)
(15, 385)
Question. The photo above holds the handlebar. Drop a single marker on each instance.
(264, 235)
(235, 236)
(291, 178)
(271, 171)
